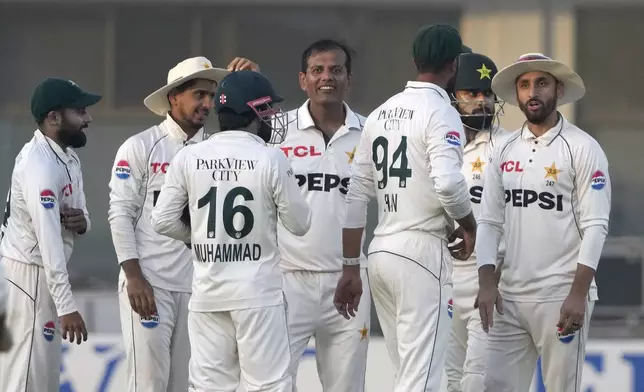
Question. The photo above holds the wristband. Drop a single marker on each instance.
(350, 261)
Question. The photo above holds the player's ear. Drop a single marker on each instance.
(302, 78)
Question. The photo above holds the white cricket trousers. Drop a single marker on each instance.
(247, 344)
(340, 344)
(466, 353)
(526, 331)
(33, 363)
(157, 350)
(411, 302)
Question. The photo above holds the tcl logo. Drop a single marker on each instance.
(322, 182)
(301, 151)
(163, 167)
(511, 166)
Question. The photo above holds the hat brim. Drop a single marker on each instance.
(85, 100)
(158, 103)
(505, 88)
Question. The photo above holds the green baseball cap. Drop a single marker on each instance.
(55, 93)
(437, 45)
(241, 91)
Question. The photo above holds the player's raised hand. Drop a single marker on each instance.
(141, 296)
(241, 64)
(572, 313)
(348, 292)
(74, 325)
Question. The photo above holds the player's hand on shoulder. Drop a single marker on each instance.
(241, 64)
(141, 296)
(348, 292)
(72, 324)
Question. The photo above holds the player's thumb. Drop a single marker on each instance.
(499, 305)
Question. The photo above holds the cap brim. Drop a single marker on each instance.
(466, 49)
(85, 100)
(504, 82)
(158, 103)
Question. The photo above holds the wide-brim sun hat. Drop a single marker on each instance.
(188, 69)
(504, 82)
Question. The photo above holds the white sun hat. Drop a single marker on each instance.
(504, 82)
(188, 69)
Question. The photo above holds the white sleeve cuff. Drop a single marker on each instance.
(488, 238)
(356, 214)
(592, 245)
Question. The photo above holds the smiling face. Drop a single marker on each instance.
(537, 95)
(327, 78)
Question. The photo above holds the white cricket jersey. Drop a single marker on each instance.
(45, 178)
(236, 187)
(3, 292)
(322, 172)
(476, 155)
(543, 193)
(138, 173)
(410, 155)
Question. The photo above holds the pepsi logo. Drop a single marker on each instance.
(122, 170)
(49, 330)
(450, 308)
(453, 138)
(150, 322)
(48, 198)
(598, 180)
(564, 338)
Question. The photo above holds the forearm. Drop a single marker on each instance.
(488, 238)
(583, 279)
(132, 269)
(351, 244)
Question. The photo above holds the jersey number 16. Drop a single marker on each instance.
(402, 172)
(229, 210)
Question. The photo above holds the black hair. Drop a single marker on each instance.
(325, 45)
(182, 87)
(434, 68)
(231, 121)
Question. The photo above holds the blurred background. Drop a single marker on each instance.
(124, 49)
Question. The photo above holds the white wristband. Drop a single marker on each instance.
(350, 261)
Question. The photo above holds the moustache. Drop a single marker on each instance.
(534, 100)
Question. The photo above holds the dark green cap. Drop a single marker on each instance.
(242, 91)
(475, 72)
(55, 94)
(436, 45)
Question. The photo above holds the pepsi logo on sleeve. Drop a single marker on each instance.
(453, 138)
(122, 170)
(48, 198)
(598, 180)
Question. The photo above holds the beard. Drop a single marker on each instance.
(478, 120)
(539, 116)
(72, 136)
(265, 131)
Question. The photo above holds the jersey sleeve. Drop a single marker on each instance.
(166, 214)
(293, 210)
(592, 183)
(361, 184)
(83, 205)
(42, 194)
(126, 200)
(444, 140)
(492, 214)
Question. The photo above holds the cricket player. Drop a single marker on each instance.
(548, 191)
(236, 187)
(320, 143)
(156, 271)
(410, 156)
(472, 96)
(44, 214)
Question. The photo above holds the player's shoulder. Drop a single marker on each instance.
(143, 141)
(580, 140)
(500, 135)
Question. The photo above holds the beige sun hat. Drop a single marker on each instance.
(504, 82)
(188, 69)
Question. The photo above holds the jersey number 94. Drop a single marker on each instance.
(380, 153)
